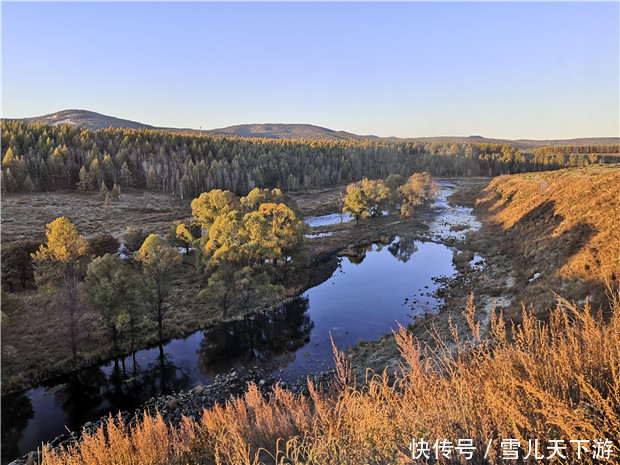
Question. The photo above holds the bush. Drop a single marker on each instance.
(17, 265)
(102, 244)
(134, 238)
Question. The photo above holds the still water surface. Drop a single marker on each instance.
(363, 299)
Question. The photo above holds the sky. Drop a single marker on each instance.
(408, 69)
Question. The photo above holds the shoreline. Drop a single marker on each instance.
(192, 401)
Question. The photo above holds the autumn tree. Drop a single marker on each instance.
(160, 262)
(112, 289)
(184, 233)
(61, 259)
(86, 182)
(366, 198)
(16, 167)
(257, 196)
(210, 205)
(355, 202)
(59, 266)
(286, 228)
(243, 238)
(419, 189)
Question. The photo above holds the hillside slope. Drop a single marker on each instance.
(560, 228)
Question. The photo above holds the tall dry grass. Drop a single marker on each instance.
(554, 380)
(585, 210)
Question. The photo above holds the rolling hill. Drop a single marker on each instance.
(85, 119)
(95, 121)
(288, 131)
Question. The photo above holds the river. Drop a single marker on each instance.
(363, 299)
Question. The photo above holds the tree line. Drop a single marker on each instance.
(38, 157)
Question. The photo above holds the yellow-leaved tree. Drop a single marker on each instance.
(59, 265)
(366, 198)
(419, 189)
(62, 256)
(159, 264)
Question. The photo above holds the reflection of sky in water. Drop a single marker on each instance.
(327, 219)
(363, 300)
(366, 300)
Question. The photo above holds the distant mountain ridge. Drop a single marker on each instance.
(94, 121)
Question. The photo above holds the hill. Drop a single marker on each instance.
(85, 119)
(288, 131)
(95, 121)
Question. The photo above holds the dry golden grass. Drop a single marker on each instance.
(558, 379)
(578, 209)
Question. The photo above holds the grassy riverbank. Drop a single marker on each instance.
(539, 233)
(552, 376)
(555, 381)
(27, 325)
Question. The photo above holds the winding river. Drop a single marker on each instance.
(363, 299)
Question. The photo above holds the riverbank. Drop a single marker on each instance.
(25, 365)
(348, 238)
(542, 235)
(479, 272)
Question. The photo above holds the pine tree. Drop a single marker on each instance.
(86, 182)
(126, 176)
(107, 203)
(152, 180)
(103, 191)
(28, 184)
(116, 191)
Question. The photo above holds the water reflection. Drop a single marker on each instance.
(268, 339)
(80, 394)
(164, 376)
(17, 411)
(130, 384)
(359, 254)
(403, 248)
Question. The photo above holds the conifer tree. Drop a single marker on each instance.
(85, 183)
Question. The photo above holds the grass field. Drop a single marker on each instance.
(24, 216)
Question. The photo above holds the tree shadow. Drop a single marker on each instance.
(17, 411)
(269, 339)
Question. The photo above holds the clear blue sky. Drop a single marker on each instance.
(513, 70)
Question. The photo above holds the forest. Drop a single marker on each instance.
(245, 246)
(38, 157)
